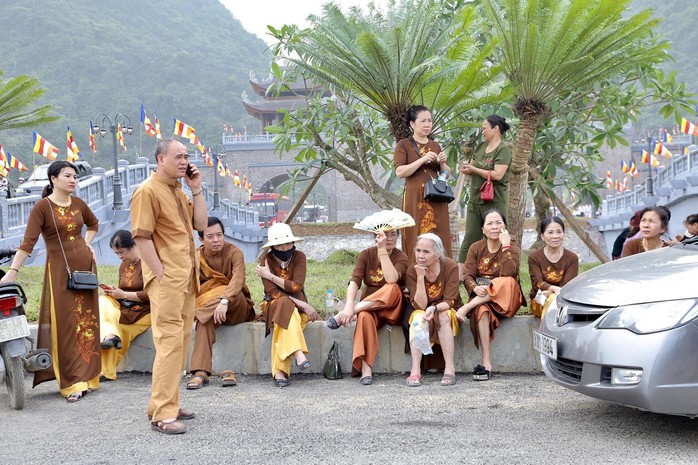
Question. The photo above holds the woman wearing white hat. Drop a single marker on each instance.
(282, 269)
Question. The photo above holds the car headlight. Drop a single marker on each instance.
(651, 317)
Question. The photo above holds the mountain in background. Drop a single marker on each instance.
(185, 59)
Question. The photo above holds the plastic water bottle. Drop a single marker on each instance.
(421, 336)
(329, 303)
(443, 176)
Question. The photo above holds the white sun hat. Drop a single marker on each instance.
(280, 233)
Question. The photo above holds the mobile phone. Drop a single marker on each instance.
(190, 171)
(104, 286)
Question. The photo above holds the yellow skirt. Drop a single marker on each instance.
(285, 342)
(433, 335)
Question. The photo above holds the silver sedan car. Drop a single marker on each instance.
(627, 332)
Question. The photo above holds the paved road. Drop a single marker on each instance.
(512, 419)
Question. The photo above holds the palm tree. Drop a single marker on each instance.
(552, 48)
(416, 52)
(16, 96)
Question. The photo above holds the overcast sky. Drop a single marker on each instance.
(256, 14)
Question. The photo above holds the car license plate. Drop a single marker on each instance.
(13, 328)
(546, 345)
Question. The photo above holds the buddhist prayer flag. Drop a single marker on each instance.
(659, 149)
(633, 169)
(236, 178)
(149, 127)
(225, 127)
(184, 130)
(198, 143)
(72, 147)
(44, 148)
(120, 137)
(685, 150)
(668, 138)
(646, 159)
(624, 166)
(93, 146)
(688, 128)
(609, 180)
(158, 134)
(221, 169)
(4, 163)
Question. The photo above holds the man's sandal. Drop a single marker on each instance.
(197, 381)
(228, 378)
(181, 415)
(171, 427)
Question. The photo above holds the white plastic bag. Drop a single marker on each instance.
(420, 329)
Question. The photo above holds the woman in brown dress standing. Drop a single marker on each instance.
(382, 268)
(72, 316)
(124, 311)
(418, 159)
(285, 306)
(551, 267)
(491, 279)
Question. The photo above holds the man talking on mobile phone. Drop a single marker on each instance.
(163, 220)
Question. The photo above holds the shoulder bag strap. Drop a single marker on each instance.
(419, 155)
(50, 207)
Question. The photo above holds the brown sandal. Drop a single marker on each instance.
(197, 381)
(228, 378)
(171, 427)
(448, 380)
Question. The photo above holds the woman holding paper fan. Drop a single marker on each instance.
(417, 160)
(382, 269)
(433, 285)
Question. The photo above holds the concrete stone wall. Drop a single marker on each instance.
(244, 349)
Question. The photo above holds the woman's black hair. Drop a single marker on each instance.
(122, 239)
(546, 222)
(501, 123)
(692, 219)
(414, 110)
(492, 210)
(54, 170)
(212, 220)
(662, 212)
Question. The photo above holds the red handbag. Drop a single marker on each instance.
(487, 189)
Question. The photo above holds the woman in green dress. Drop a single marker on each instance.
(490, 158)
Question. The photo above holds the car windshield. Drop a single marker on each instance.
(39, 174)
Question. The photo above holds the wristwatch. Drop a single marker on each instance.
(224, 301)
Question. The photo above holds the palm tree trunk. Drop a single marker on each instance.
(541, 203)
(518, 182)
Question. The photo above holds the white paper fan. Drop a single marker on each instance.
(385, 220)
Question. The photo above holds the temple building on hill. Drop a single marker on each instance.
(268, 109)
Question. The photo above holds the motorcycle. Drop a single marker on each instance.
(16, 355)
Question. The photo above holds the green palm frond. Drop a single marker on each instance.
(16, 97)
(550, 46)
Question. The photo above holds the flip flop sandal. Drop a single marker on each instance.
(414, 381)
(172, 427)
(181, 415)
(281, 382)
(448, 380)
(484, 376)
(74, 397)
(303, 366)
(366, 380)
(228, 378)
(332, 323)
(479, 370)
(197, 382)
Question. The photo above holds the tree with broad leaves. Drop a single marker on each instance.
(552, 50)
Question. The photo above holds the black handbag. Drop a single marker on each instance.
(77, 280)
(436, 190)
(332, 368)
(82, 280)
(128, 303)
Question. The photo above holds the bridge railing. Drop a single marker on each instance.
(680, 167)
(98, 191)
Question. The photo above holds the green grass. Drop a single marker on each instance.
(332, 273)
